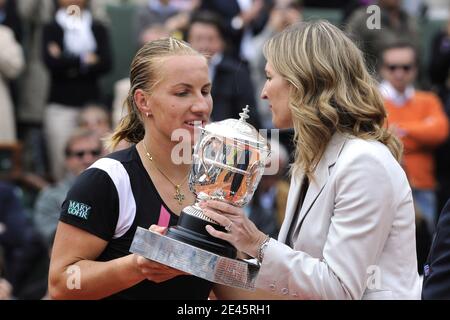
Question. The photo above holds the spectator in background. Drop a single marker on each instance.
(154, 12)
(11, 64)
(5, 286)
(242, 20)
(440, 62)
(82, 149)
(283, 14)
(97, 119)
(232, 88)
(10, 18)
(23, 247)
(173, 15)
(347, 7)
(436, 281)
(121, 87)
(77, 53)
(396, 25)
(418, 119)
(440, 77)
(35, 83)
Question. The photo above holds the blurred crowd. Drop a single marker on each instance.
(60, 97)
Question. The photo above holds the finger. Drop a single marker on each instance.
(156, 267)
(218, 234)
(157, 277)
(158, 229)
(225, 207)
(162, 276)
(219, 218)
(179, 272)
(145, 263)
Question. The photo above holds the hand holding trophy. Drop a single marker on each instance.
(228, 161)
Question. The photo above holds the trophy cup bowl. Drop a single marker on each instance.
(228, 162)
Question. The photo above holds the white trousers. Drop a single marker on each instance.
(60, 122)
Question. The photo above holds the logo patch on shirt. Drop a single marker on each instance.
(78, 209)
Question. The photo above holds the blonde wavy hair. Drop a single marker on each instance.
(331, 90)
(145, 75)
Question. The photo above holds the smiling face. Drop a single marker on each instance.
(276, 91)
(182, 96)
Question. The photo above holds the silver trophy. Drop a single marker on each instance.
(228, 162)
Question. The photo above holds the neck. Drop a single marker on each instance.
(161, 150)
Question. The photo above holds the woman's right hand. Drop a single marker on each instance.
(155, 271)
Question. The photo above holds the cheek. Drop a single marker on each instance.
(411, 75)
(171, 111)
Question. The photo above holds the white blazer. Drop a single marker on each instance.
(357, 238)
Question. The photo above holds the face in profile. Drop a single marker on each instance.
(182, 98)
(276, 91)
(399, 67)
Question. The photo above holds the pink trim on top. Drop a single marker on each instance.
(164, 217)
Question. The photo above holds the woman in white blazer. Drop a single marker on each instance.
(349, 229)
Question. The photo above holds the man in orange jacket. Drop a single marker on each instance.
(419, 120)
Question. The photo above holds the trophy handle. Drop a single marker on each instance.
(252, 171)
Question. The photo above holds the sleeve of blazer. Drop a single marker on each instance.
(436, 284)
(360, 223)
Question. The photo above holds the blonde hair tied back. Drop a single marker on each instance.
(144, 75)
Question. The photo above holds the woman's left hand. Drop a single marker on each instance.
(241, 232)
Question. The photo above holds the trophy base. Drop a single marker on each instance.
(198, 262)
(191, 230)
